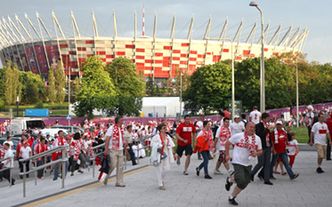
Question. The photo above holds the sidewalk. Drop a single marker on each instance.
(309, 189)
(13, 195)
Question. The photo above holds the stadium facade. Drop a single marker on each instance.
(34, 48)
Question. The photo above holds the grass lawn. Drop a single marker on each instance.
(301, 134)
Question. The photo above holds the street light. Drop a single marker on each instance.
(262, 67)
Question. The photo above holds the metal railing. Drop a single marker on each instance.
(63, 160)
(6, 168)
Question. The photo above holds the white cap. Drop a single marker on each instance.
(310, 107)
(279, 122)
(236, 116)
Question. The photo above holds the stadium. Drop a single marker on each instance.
(33, 46)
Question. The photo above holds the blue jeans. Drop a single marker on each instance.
(284, 158)
(56, 169)
(205, 163)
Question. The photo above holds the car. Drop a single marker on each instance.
(52, 132)
(71, 129)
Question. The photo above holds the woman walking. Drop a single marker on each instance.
(204, 143)
(161, 154)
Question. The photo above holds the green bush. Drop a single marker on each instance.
(39, 105)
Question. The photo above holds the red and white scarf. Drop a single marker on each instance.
(116, 137)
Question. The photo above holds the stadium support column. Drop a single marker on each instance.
(57, 27)
(22, 39)
(222, 37)
(95, 30)
(206, 38)
(37, 34)
(189, 39)
(41, 24)
(172, 45)
(77, 33)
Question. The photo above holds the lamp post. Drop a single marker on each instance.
(17, 104)
(181, 94)
(262, 67)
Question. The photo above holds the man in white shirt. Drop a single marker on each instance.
(25, 153)
(237, 126)
(10, 142)
(319, 137)
(255, 115)
(114, 149)
(8, 163)
(247, 146)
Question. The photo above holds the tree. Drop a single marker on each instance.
(12, 88)
(60, 82)
(51, 90)
(33, 88)
(97, 90)
(209, 88)
(129, 85)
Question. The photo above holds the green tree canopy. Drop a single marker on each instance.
(209, 88)
(129, 85)
(12, 84)
(51, 90)
(60, 82)
(97, 90)
(33, 88)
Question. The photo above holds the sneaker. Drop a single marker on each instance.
(207, 177)
(72, 174)
(178, 162)
(185, 173)
(197, 171)
(295, 176)
(228, 184)
(319, 170)
(232, 201)
(162, 188)
(80, 171)
(13, 181)
(268, 183)
(120, 185)
(217, 172)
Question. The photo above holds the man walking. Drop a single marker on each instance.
(185, 133)
(319, 136)
(329, 125)
(247, 145)
(114, 148)
(265, 159)
(255, 115)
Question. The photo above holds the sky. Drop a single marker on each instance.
(314, 15)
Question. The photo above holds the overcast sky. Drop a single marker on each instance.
(314, 15)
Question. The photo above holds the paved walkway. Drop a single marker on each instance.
(310, 189)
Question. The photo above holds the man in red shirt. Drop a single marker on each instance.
(185, 133)
(279, 149)
(328, 148)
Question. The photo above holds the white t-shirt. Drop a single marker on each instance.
(9, 163)
(241, 152)
(291, 147)
(255, 116)
(109, 133)
(237, 127)
(25, 151)
(320, 131)
(220, 143)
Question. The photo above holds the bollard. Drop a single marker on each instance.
(63, 168)
(24, 180)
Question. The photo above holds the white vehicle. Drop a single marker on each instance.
(18, 125)
(52, 132)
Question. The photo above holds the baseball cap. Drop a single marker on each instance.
(279, 122)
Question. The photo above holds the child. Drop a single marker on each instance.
(292, 148)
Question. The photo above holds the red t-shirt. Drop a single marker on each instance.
(184, 131)
(329, 124)
(280, 147)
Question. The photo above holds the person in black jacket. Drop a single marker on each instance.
(265, 159)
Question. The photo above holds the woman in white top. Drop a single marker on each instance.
(161, 153)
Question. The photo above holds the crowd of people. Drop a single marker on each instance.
(260, 145)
